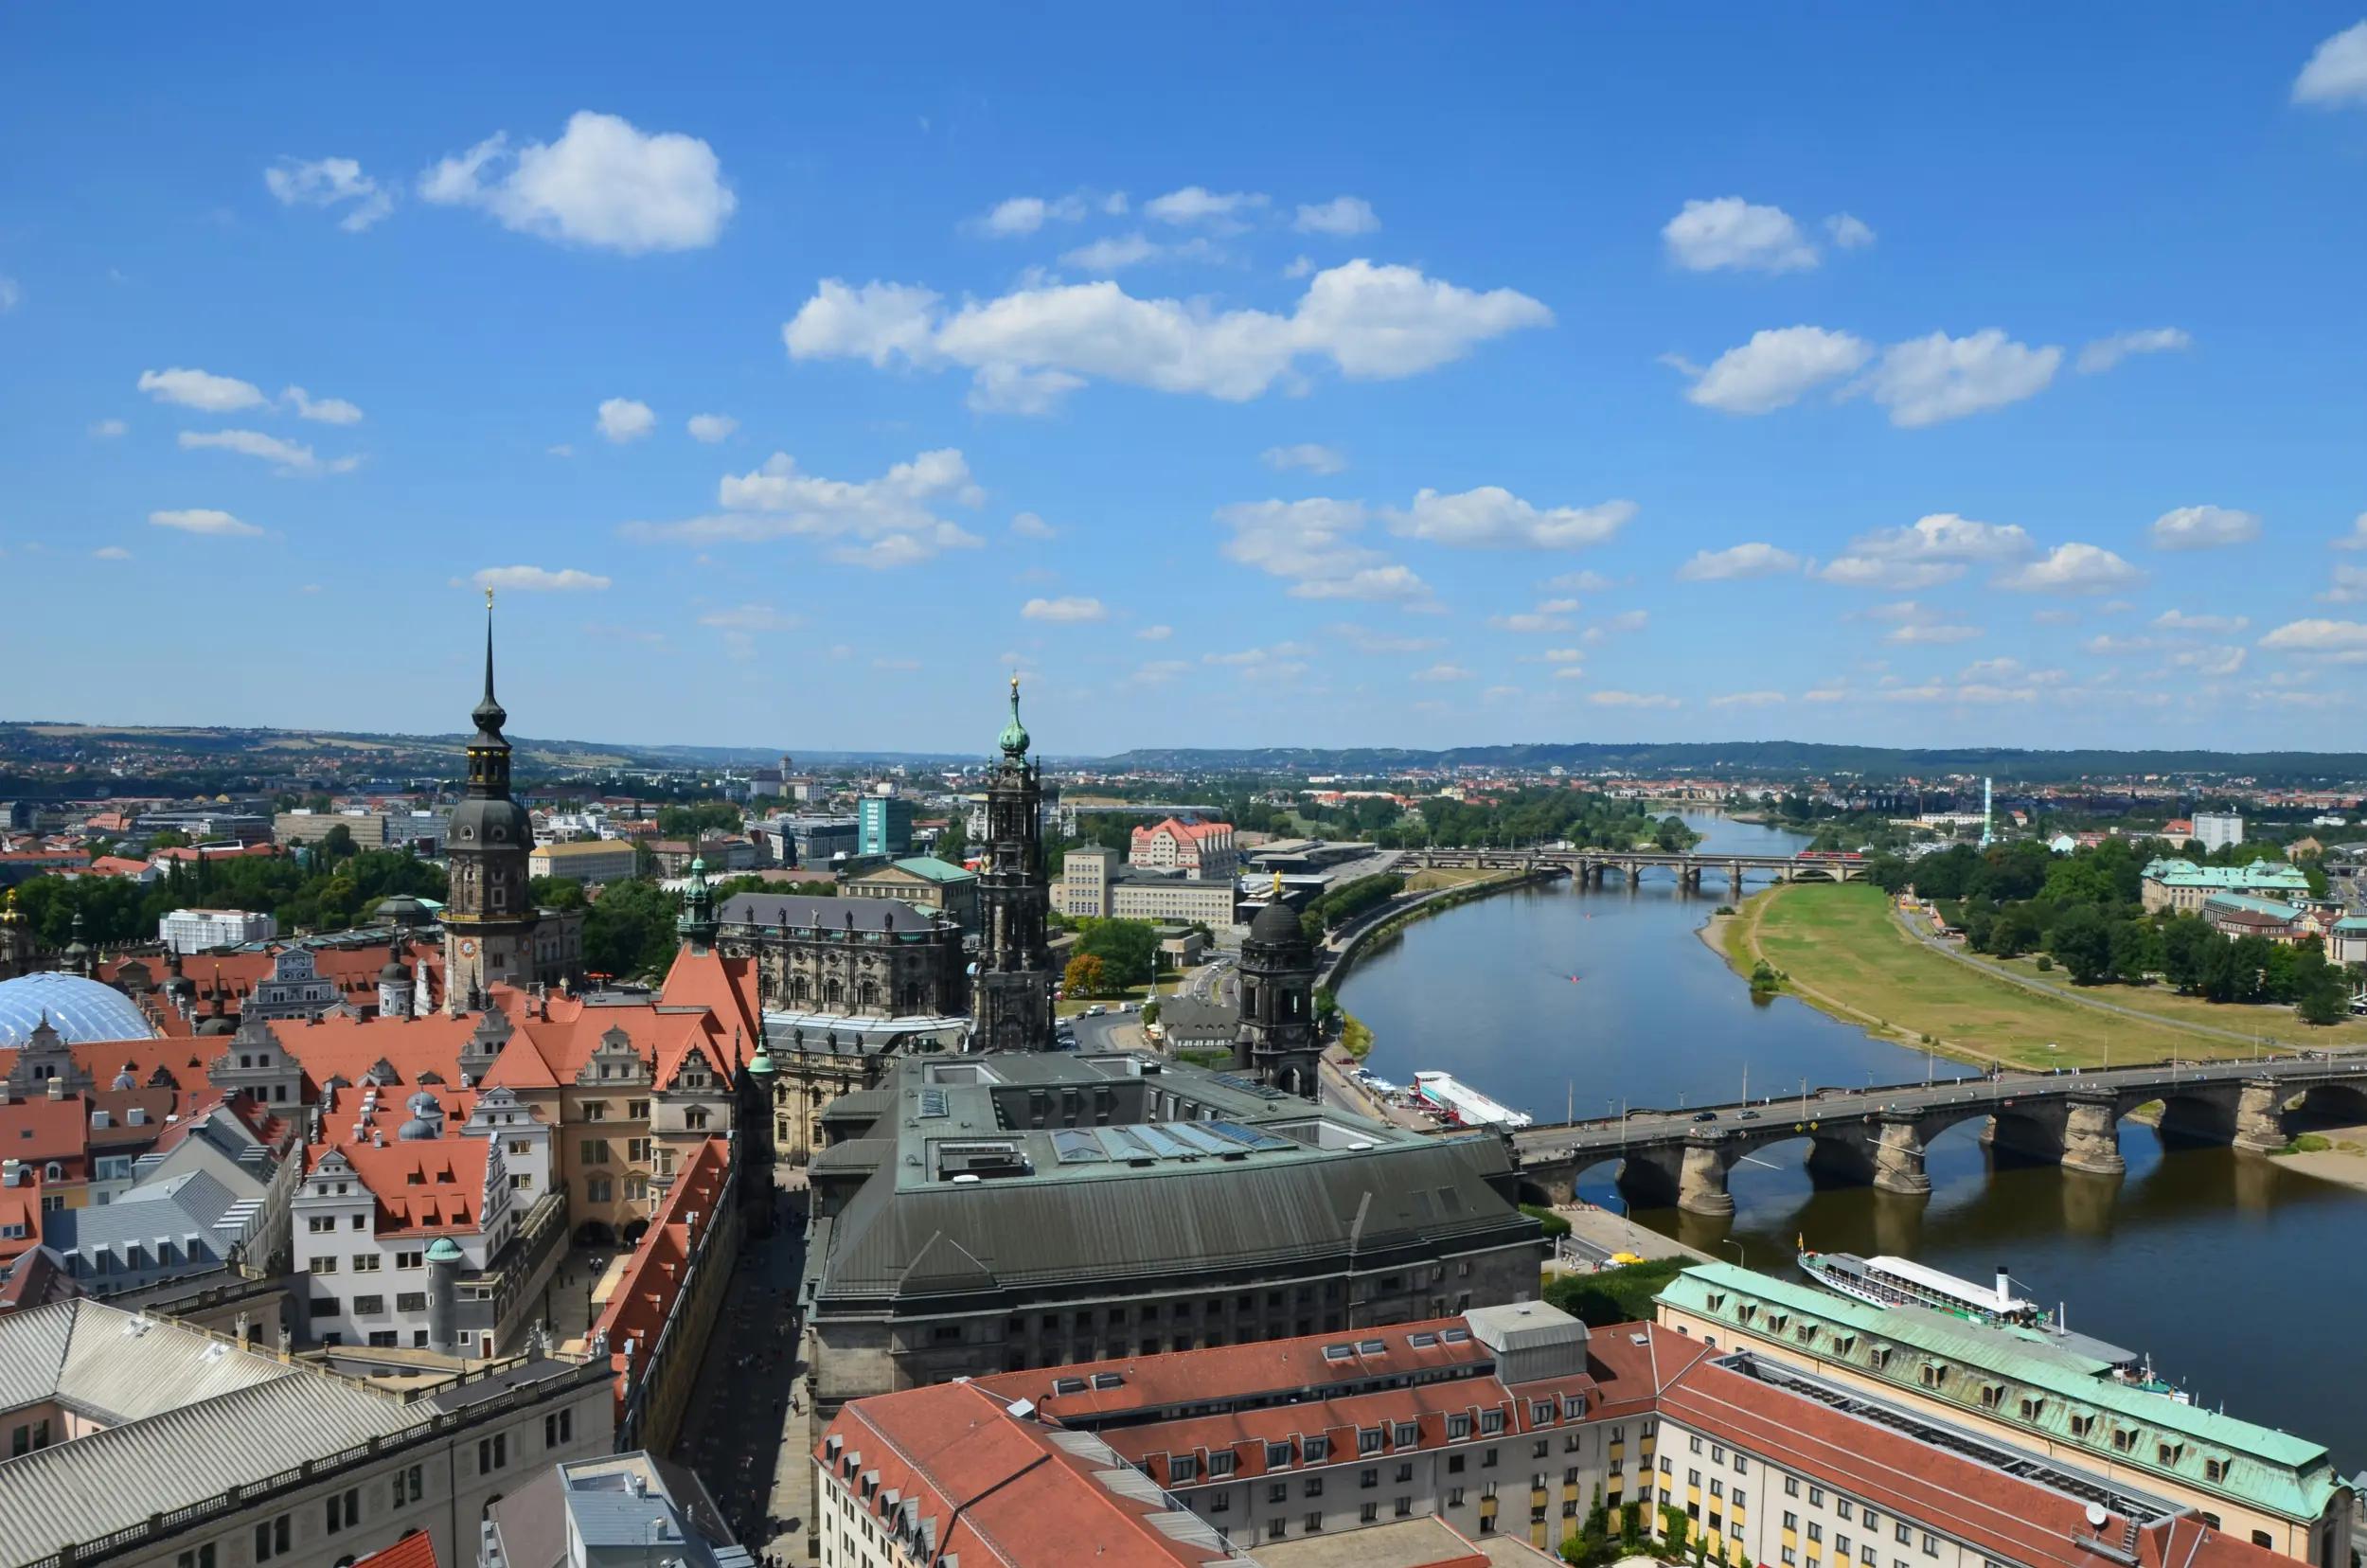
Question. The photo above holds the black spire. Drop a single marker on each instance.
(490, 715)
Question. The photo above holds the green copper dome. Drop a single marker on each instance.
(444, 1250)
(1014, 737)
(761, 1064)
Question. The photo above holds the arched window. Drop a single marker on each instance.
(870, 993)
(801, 989)
(834, 994)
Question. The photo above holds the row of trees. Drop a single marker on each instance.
(327, 891)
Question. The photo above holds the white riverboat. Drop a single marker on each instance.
(1461, 1104)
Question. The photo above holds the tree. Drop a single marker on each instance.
(2186, 944)
(953, 840)
(2137, 950)
(1150, 1012)
(2082, 943)
(337, 843)
(629, 930)
(1086, 977)
(555, 892)
(171, 838)
(2322, 994)
(1125, 948)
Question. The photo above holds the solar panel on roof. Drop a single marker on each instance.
(1074, 1145)
(1247, 1136)
(1160, 1143)
(1123, 1145)
(1198, 1138)
(932, 1102)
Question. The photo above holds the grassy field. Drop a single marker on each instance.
(1841, 952)
(2279, 1025)
(1446, 876)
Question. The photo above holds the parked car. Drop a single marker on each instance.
(1704, 1116)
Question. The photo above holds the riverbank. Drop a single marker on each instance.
(1435, 901)
(2342, 1161)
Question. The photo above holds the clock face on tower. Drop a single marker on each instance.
(467, 948)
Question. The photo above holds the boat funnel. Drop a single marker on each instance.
(2004, 1289)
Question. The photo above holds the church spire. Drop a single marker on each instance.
(1014, 737)
(490, 715)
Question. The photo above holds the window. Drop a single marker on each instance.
(365, 1262)
(492, 1454)
(1278, 1492)
(635, 1111)
(1541, 1447)
(322, 1306)
(1791, 1520)
(2261, 1538)
(324, 1265)
(410, 1260)
(2214, 1470)
(1276, 1528)
(1487, 1460)
(1932, 1546)
(1904, 1534)
(1693, 1478)
(1742, 1500)
(1816, 1531)
(1791, 1486)
(1790, 1557)
(559, 1427)
(1222, 1502)
(1368, 1513)
(637, 1150)
(1866, 1556)
(1277, 1456)
(318, 1223)
(1816, 1497)
(1368, 1478)
(1454, 1497)
(1182, 1468)
(369, 1304)
(202, 1557)
(1220, 1464)
(1315, 1450)
(595, 1151)
(271, 1539)
(596, 1110)
(1840, 1547)
(1841, 1508)
(1491, 1421)
(597, 1190)
(1404, 1509)
(345, 1509)
(1459, 1428)
(1407, 1434)
(1873, 1519)
(1315, 1485)
(1694, 1443)
(1314, 1522)
(411, 1301)
(407, 1489)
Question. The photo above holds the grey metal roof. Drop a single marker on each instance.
(189, 1210)
(1189, 1018)
(797, 912)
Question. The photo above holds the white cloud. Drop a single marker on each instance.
(1008, 389)
(201, 390)
(603, 183)
(1492, 516)
(2348, 587)
(1283, 660)
(2202, 528)
(11, 296)
(539, 579)
(111, 552)
(2337, 71)
(1588, 581)
(328, 182)
(1442, 672)
(1023, 215)
(202, 520)
(1539, 619)
(1570, 673)
(1562, 655)
(1848, 232)
(1924, 554)
(1730, 232)
(1156, 634)
(2072, 569)
(1930, 633)
(562, 450)
(1306, 454)
(1370, 322)
(1194, 204)
(2179, 621)
(2209, 661)
(108, 430)
(1892, 577)
(1632, 699)
(2106, 353)
(1341, 215)
(623, 419)
(289, 457)
(1610, 625)
(2106, 645)
(1159, 671)
(1311, 543)
(1302, 266)
(2317, 636)
(2357, 538)
(2055, 616)
(1113, 253)
(1068, 610)
(1027, 525)
(1776, 368)
(335, 410)
(1748, 698)
(752, 617)
(1365, 640)
(880, 523)
(711, 428)
(1925, 381)
(1737, 563)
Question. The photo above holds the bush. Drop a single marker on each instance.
(2045, 963)
(1613, 1295)
(1555, 1224)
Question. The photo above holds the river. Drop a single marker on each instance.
(2235, 1273)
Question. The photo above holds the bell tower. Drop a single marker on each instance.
(488, 919)
(1277, 1040)
(1012, 1001)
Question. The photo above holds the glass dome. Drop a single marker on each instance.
(79, 1009)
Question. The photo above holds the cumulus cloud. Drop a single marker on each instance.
(1441, 672)
(1492, 516)
(1341, 215)
(2337, 71)
(335, 411)
(1113, 253)
(1550, 616)
(1747, 699)
(1196, 204)
(1931, 633)
(1632, 699)
(539, 579)
(1309, 456)
(328, 183)
(1931, 550)
(111, 552)
(1156, 634)
(1069, 610)
(1848, 232)
(1737, 563)
(1365, 640)
(883, 522)
(1027, 525)
(1369, 322)
(2202, 528)
(1776, 368)
(2348, 587)
(1610, 625)
(108, 430)
(2072, 569)
(202, 520)
(2209, 661)
(712, 428)
(2318, 635)
(1023, 215)
(2179, 621)
(1929, 380)
(289, 457)
(2106, 353)
(1586, 582)
(1729, 232)
(201, 390)
(1312, 545)
(604, 183)
(2357, 538)
(624, 419)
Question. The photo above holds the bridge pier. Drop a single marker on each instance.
(2091, 1139)
(1898, 1156)
(2260, 1115)
(1701, 1184)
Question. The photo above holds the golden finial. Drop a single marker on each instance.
(488, 597)
(1014, 683)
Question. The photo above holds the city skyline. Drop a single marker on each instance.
(1638, 384)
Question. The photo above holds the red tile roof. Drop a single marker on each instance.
(416, 1550)
(652, 1279)
(427, 1187)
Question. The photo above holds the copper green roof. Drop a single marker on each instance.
(1014, 737)
(2272, 1471)
(935, 869)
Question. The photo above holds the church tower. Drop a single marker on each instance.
(489, 920)
(1011, 1000)
(1277, 1041)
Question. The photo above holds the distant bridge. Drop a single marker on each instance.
(1879, 1136)
(1591, 866)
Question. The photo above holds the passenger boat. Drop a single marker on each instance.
(1461, 1104)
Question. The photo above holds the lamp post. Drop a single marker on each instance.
(1740, 1261)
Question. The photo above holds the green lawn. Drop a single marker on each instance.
(1840, 950)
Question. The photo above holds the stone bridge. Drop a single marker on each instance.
(1879, 1135)
(1593, 866)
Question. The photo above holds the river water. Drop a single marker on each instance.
(2236, 1275)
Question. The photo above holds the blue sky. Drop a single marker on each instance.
(1243, 375)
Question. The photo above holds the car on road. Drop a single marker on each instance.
(1095, 1010)
(1704, 1116)
(1748, 1116)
